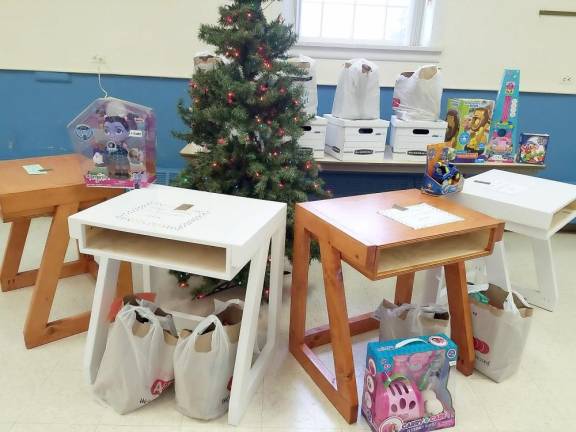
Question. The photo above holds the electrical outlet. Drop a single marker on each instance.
(567, 80)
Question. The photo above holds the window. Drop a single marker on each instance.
(382, 22)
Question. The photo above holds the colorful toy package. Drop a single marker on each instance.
(502, 146)
(533, 148)
(117, 140)
(406, 384)
(441, 176)
(468, 127)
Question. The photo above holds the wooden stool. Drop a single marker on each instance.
(350, 229)
(59, 193)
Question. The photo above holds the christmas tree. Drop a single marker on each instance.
(247, 111)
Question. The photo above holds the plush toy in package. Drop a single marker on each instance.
(406, 384)
(358, 91)
(441, 176)
(117, 140)
(468, 127)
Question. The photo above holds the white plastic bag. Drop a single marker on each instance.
(308, 81)
(206, 61)
(418, 95)
(500, 329)
(138, 361)
(204, 364)
(411, 320)
(358, 91)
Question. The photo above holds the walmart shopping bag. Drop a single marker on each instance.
(137, 365)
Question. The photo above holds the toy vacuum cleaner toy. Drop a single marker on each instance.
(405, 385)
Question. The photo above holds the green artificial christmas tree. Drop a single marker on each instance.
(247, 112)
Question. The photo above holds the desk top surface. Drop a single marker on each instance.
(183, 215)
(358, 217)
(64, 170)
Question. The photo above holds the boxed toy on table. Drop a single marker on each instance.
(406, 384)
(533, 148)
(441, 176)
(117, 140)
(358, 91)
(356, 140)
(409, 139)
(314, 136)
(503, 146)
(468, 127)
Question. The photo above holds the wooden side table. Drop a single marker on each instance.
(59, 193)
(350, 229)
(196, 232)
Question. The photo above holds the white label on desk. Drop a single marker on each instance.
(420, 216)
(501, 186)
(155, 214)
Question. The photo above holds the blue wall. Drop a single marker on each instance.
(36, 107)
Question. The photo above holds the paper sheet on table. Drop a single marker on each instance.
(420, 216)
(156, 214)
(35, 169)
(502, 186)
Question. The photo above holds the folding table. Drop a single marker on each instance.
(196, 232)
(352, 230)
(58, 191)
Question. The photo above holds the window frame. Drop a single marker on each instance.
(423, 42)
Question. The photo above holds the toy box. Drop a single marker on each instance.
(356, 140)
(533, 148)
(468, 127)
(314, 136)
(406, 384)
(409, 139)
(117, 140)
(441, 176)
(502, 146)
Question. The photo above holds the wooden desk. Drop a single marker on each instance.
(58, 193)
(350, 229)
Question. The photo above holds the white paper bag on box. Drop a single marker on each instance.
(411, 320)
(358, 91)
(137, 364)
(418, 95)
(308, 82)
(204, 364)
(500, 329)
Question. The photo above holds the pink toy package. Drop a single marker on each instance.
(406, 384)
(117, 140)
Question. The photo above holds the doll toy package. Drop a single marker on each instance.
(406, 384)
(468, 127)
(117, 142)
(533, 148)
(441, 176)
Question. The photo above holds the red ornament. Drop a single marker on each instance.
(275, 153)
(308, 165)
(221, 141)
(193, 85)
(296, 102)
(200, 296)
(282, 90)
(258, 119)
(269, 122)
(281, 132)
(230, 97)
(206, 90)
(214, 164)
(261, 50)
(257, 174)
(229, 19)
(182, 285)
(267, 64)
(281, 185)
(249, 15)
(263, 88)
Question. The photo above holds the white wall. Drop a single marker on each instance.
(158, 38)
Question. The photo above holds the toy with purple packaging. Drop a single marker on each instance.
(117, 140)
(406, 384)
(504, 129)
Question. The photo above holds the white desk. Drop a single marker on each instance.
(531, 206)
(216, 237)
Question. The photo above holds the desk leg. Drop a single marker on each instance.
(13, 254)
(98, 329)
(461, 319)
(404, 287)
(247, 377)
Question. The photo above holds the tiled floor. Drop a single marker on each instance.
(42, 390)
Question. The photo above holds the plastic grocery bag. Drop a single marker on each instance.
(418, 94)
(308, 82)
(501, 322)
(411, 320)
(358, 91)
(204, 364)
(137, 365)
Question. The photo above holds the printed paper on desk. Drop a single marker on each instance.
(502, 186)
(420, 216)
(155, 214)
(35, 169)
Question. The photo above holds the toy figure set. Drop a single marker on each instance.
(118, 142)
(441, 176)
(406, 384)
(533, 148)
